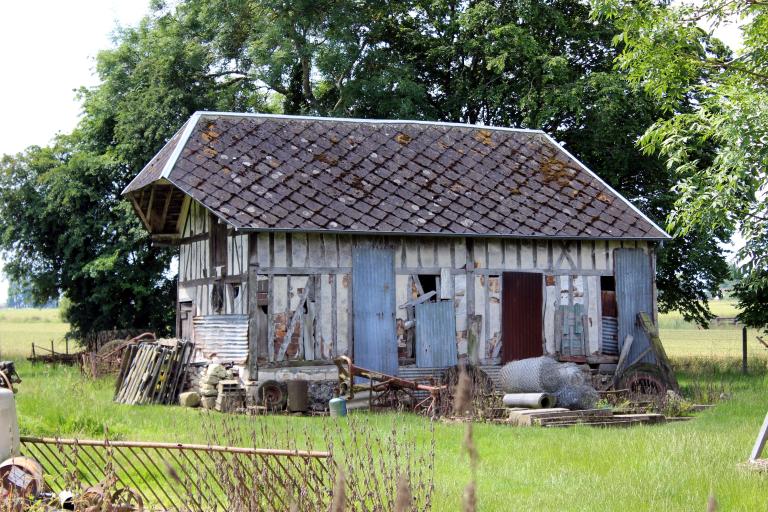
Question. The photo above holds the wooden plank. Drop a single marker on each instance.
(330, 251)
(526, 255)
(460, 304)
(459, 253)
(315, 250)
(444, 253)
(551, 298)
(762, 437)
(446, 284)
(495, 253)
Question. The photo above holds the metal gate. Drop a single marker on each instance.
(521, 315)
(634, 294)
(373, 307)
(435, 334)
(190, 478)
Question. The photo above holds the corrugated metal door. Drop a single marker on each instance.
(521, 315)
(634, 294)
(373, 307)
(435, 334)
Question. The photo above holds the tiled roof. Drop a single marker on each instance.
(261, 172)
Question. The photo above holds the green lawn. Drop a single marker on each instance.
(664, 467)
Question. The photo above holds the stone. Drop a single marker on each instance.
(189, 399)
(208, 402)
(209, 380)
(217, 370)
(206, 390)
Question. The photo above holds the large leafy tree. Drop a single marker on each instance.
(670, 51)
(532, 63)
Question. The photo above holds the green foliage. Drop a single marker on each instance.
(717, 100)
(532, 64)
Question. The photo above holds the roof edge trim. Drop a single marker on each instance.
(245, 230)
(188, 129)
(667, 236)
(204, 113)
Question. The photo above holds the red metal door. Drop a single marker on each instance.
(521, 315)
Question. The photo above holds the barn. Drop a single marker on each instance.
(407, 245)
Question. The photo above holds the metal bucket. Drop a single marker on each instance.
(298, 395)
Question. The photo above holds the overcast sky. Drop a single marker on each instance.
(47, 50)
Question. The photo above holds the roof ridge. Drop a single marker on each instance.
(358, 120)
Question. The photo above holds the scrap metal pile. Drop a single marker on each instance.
(153, 373)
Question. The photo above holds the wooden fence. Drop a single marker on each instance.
(184, 477)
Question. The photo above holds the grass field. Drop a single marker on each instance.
(19, 328)
(665, 467)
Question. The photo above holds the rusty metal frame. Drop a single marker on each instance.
(190, 477)
(388, 386)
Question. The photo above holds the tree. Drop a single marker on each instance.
(666, 52)
(533, 64)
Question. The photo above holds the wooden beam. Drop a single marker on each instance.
(140, 212)
(165, 207)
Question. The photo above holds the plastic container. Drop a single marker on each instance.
(9, 425)
(338, 407)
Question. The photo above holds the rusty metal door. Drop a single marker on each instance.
(373, 308)
(436, 334)
(522, 315)
(634, 294)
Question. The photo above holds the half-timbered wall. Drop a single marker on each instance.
(219, 294)
(302, 290)
(306, 283)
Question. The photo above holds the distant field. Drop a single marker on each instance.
(19, 328)
(681, 338)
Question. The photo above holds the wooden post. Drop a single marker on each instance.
(744, 350)
(52, 352)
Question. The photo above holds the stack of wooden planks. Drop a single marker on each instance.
(153, 373)
(558, 417)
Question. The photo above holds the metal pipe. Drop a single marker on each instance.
(176, 446)
(530, 400)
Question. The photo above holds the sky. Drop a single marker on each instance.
(47, 51)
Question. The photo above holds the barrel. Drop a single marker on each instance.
(298, 395)
(338, 406)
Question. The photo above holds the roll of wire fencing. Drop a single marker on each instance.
(566, 381)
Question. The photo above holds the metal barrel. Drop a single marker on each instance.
(298, 395)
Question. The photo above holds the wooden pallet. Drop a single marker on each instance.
(558, 417)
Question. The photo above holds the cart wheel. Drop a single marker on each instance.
(272, 395)
(127, 499)
(644, 379)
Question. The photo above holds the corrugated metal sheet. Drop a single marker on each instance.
(373, 306)
(226, 336)
(634, 294)
(521, 315)
(610, 339)
(435, 334)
